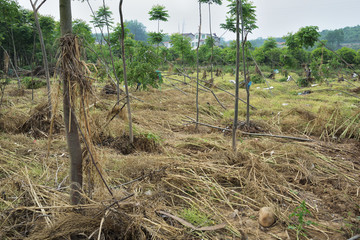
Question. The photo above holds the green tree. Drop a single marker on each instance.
(249, 17)
(103, 17)
(304, 38)
(335, 37)
(158, 13)
(269, 44)
(181, 46)
(115, 36)
(141, 67)
(348, 54)
(155, 37)
(137, 29)
(83, 30)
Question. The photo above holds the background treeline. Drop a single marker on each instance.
(19, 40)
(348, 36)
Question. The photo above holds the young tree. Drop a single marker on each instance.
(131, 136)
(158, 13)
(246, 11)
(197, 70)
(70, 121)
(210, 2)
(43, 50)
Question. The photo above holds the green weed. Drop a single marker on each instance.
(195, 217)
(300, 212)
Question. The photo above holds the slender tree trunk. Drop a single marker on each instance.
(236, 110)
(111, 57)
(244, 65)
(197, 71)
(72, 134)
(125, 77)
(13, 67)
(32, 68)
(212, 43)
(45, 61)
(15, 58)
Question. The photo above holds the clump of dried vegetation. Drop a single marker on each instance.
(179, 183)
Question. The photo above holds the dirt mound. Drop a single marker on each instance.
(254, 127)
(123, 145)
(109, 89)
(38, 124)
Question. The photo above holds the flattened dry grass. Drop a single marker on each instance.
(195, 176)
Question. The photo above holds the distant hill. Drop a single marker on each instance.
(348, 36)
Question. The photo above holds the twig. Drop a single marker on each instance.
(101, 223)
(278, 136)
(231, 95)
(117, 201)
(177, 88)
(213, 95)
(251, 134)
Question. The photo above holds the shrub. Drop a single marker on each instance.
(34, 83)
(257, 79)
(284, 79)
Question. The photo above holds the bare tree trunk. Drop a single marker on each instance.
(72, 134)
(244, 65)
(43, 50)
(111, 57)
(236, 110)
(15, 58)
(32, 68)
(13, 67)
(125, 77)
(197, 71)
(212, 45)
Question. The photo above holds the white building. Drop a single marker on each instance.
(203, 37)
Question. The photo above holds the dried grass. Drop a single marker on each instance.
(194, 172)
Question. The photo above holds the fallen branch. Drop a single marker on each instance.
(173, 85)
(189, 225)
(208, 90)
(221, 89)
(251, 134)
(213, 95)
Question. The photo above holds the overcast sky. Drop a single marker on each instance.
(275, 18)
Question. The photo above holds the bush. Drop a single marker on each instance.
(303, 82)
(257, 79)
(284, 79)
(34, 83)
